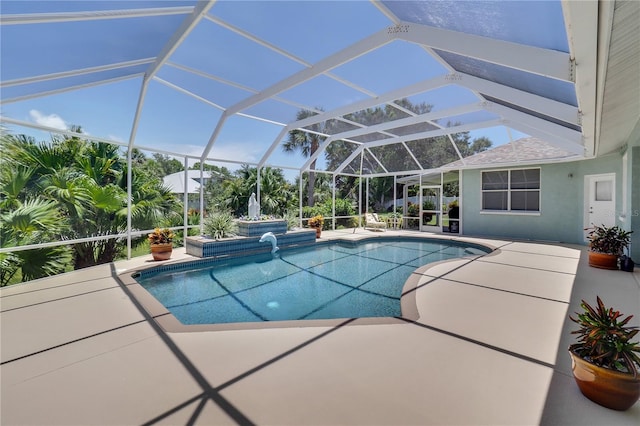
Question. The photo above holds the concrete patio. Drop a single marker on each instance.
(488, 348)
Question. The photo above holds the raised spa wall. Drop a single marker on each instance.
(248, 239)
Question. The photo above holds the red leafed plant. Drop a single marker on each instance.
(161, 236)
(604, 339)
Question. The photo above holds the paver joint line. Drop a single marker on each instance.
(209, 390)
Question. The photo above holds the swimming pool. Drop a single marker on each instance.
(325, 281)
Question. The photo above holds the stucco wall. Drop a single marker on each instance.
(634, 214)
(561, 205)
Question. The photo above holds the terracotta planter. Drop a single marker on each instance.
(161, 251)
(611, 389)
(603, 261)
(318, 232)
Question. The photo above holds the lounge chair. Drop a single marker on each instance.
(373, 222)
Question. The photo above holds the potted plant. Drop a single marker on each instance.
(316, 222)
(604, 360)
(454, 216)
(606, 245)
(161, 243)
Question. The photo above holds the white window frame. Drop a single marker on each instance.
(509, 191)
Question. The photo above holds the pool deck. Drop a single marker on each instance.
(488, 348)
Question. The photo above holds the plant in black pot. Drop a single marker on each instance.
(605, 361)
(606, 245)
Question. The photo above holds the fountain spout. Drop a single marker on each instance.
(272, 239)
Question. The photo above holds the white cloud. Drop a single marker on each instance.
(115, 138)
(51, 120)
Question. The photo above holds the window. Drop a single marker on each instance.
(511, 190)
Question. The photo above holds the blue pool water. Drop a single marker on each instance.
(336, 280)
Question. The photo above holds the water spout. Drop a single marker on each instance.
(272, 239)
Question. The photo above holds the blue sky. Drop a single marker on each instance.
(173, 121)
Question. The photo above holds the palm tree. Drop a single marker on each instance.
(86, 182)
(33, 222)
(306, 143)
(275, 193)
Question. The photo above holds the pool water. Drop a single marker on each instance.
(336, 280)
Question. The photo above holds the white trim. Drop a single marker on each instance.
(510, 213)
(581, 23)
(509, 191)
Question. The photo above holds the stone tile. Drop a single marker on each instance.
(534, 282)
(524, 325)
(128, 385)
(37, 327)
(535, 261)
(49, 293)
(393, 374)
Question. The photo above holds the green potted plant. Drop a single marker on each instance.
(316, 222)
(606, 245)
(604, 360)
(161, 243)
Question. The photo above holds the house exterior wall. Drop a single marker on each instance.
(634, 201)
(561, 203)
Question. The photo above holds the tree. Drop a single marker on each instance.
(322, 188)
(380, 189)
(275, 192)
(221, 171)
(32, 222)
(306, 143)
(87, 182)
(167, 165)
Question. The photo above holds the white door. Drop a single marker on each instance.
(599, 200)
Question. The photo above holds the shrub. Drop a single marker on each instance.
(292, 220)
(609, 240)
(220, 225)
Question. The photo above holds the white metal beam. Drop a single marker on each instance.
(273, 146)
(546, 62)
(54, 130)
(178, 37)
(283, 52)
(423, 86)
(394, 124)
(436, 132)
(415, 119)
(581, 22)
(188, 93)
(567, 145)
(67, 89)
(546, 106)
(565, 138)
(46, 18)
(207, 149)
(199, 11)
(236, 85)
(360, 48)
(422, 135)
(74, 73)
